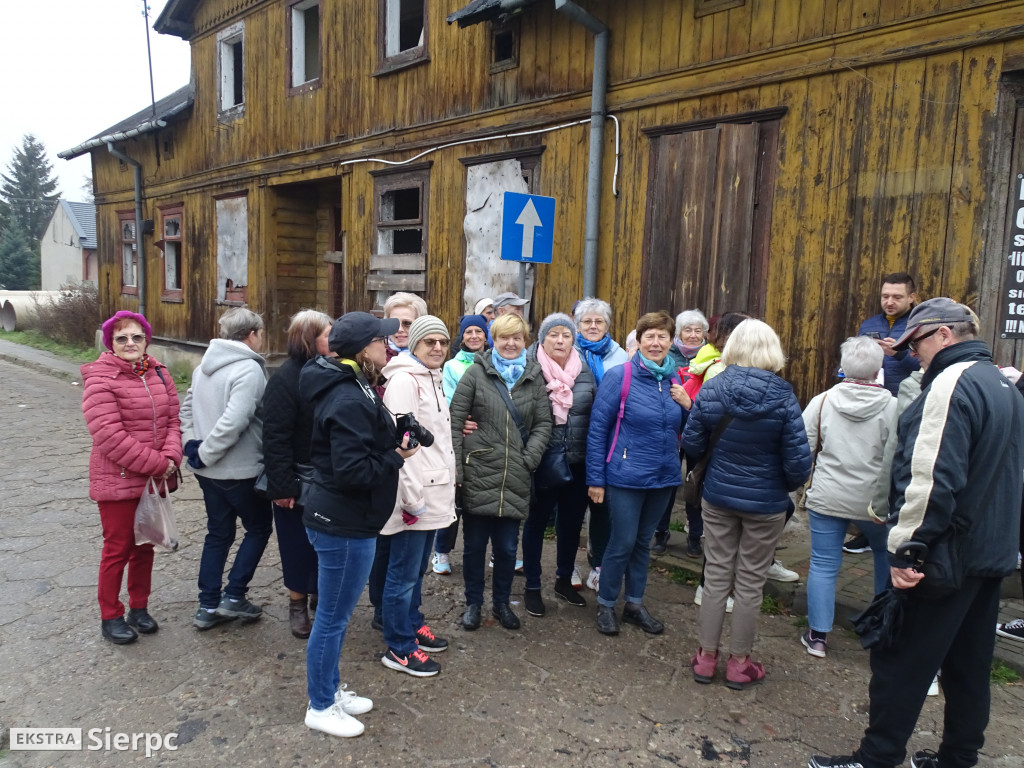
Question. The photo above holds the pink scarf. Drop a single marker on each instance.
(560, 381)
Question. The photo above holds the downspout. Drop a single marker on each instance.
(599, 90)
(140, 276)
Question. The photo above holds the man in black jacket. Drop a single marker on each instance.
(956, 476)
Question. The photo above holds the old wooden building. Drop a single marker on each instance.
(776, 156)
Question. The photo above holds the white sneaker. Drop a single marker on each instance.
(933, 689)
(350, 703)
(576, 580)
(594, 579)
(698, 597)
(778, 572)
(441, 564)
(334, 721)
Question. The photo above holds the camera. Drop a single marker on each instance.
(418, 434)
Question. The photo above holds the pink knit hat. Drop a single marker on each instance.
(124, 314)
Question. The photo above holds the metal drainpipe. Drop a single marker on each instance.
(599, 90)
(140, 276)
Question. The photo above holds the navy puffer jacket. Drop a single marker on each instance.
(763, 454)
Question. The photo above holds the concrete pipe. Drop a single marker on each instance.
(18, 308)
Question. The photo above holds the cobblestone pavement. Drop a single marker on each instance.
(555, 693)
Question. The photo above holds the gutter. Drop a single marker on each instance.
(140, 274)
(599, 90)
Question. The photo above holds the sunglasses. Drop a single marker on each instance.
(914, 342)
(137, 338)
(443, 343)
(406, 324)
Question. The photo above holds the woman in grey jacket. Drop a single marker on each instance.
(571, 388)
(495, 463)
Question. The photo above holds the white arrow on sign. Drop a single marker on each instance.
(530, 221)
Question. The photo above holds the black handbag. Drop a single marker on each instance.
(304, 472)
(693, 485)
(554, 470)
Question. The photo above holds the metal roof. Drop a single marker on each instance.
(145, 121)
(486, 10)
(83, 219)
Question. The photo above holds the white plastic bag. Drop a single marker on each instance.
(154, 517)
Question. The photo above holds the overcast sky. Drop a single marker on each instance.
(74, 67)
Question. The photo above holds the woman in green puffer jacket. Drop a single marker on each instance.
(494, 463)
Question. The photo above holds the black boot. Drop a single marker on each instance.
(660, 545)
(117, 631)
(635, 613)
(471, 618)
(534, 602)
(503, 613)
(607, 624)
(139, 619)
(565, 590)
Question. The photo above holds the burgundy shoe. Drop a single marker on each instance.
(704, 665)
(740, 675)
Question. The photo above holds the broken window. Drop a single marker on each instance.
(402, 32)
(232, 250)
(505, 46)
(304, 21)
(171, 244)
(129, 253)
(400, 260)
(231, 45)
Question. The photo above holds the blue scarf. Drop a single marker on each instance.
(594, 352)
(661, 372)
(509, 370)
(395, 347)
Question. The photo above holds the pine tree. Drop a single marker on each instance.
(19, 260)
(28, 192)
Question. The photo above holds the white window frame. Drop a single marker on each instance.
(227, 38)
(297, 14)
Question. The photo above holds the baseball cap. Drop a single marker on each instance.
(937, 311)
(353, 331)
(508, 300)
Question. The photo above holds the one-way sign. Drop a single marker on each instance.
(527, 228)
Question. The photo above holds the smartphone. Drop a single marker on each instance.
(873, 335)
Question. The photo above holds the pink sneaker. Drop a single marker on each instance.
(703, 665)
(740, 675)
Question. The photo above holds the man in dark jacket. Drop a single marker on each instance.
(956, 477)
(897, 300)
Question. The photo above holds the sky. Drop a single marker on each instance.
(75, 67)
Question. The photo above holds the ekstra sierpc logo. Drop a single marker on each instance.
(95, 739)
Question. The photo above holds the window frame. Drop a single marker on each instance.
(392, 180)
(514, 28)
(291, 6)
(123, 218)
(410, 57)
(175, 210)
(227, 38)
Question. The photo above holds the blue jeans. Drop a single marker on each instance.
(634, 514)
(827, 534)
(226, 502)
(410, 556)
(344, 568)
(503, 533)
(571, 500)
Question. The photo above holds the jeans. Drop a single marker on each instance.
(119, 552)
(503, 533)
(378, 575)
(344, 568)
(410, 556)
(445, 540)
(226, 502)
(827, 535)
(634, 514)
(571, 500)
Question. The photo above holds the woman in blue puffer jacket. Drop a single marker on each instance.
(760, 457)
(633, 464)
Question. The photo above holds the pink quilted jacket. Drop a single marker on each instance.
(134, 425)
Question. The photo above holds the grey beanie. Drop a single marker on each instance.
(423, 325)
(553, 321)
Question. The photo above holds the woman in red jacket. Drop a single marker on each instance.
(131, 409)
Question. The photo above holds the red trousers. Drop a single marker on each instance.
(120, 550)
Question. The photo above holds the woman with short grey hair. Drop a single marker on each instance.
(848, 428)
(238, 323)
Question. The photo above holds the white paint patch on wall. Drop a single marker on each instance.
(486, 273)
(232, 244)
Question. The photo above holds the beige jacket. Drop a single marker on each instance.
(426, 483)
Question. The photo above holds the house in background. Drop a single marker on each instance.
(68, 246)
(773, 156)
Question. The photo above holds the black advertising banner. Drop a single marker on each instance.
(1011, 321)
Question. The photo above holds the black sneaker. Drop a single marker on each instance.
(1011, 629)
(239, 608)
(140, 620)
(117, 631)
(417, 663)
(428, 641)
(857, 544)
(565, 590)
(204, 619)
(534, 602)
(835, 761)
(926, 758)
(660, 545)
(693, 547)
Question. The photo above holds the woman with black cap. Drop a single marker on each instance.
(356, 460)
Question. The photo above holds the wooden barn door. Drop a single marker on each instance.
(708, 218)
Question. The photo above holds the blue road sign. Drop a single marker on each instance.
(527, 228)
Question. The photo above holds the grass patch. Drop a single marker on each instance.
(36, 340)
(677, 525)
(1002, 674)
(549, 533)
(771, 606)
(679, 575)
(182, 375)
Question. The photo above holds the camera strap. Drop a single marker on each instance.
(503, 391)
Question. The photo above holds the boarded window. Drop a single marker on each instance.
(171, 244)
(129, 253)
(708, 218)
(304, 49)
(400, 212)
(232, 250)
(231, 47)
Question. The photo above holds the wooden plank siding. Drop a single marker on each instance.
(886, 153)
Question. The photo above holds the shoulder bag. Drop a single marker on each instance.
(693, 485)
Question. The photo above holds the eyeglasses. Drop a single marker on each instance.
(443, 343)
(914, 342)
(137, 338)
(593, 321)
(406, 324)
(381, 339)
